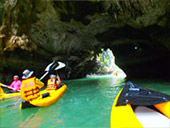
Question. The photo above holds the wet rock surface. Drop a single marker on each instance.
(74, 32)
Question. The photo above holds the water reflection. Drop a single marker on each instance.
(44, 116)
(86, 103)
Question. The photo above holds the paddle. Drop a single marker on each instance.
(53, 66)
(6, 86)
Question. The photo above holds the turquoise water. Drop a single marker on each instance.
(86, 104)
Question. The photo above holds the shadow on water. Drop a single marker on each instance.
(10, 102)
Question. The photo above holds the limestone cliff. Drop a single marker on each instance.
(75, 31)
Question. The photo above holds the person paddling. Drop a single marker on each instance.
(30, 86)
(16, 84)
(54, 82)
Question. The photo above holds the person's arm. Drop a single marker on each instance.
(58, 78)
(12, 84)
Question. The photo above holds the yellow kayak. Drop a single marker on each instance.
(138, 107)
(53, 96)
(8, 95)
(4, 95)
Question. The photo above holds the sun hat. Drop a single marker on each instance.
(27, 73)
(52, 76)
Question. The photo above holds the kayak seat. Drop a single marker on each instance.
(150, 106)
(59, 86)
(45, 94)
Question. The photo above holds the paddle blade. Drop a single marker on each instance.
(60, 65)
(51, 66)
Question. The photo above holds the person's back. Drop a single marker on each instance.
(29, 90)
(29, 87)
(53, 82)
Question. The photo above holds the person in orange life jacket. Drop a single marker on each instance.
(54, 82)
(30, 86)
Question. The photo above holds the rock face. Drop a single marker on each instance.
(106, 65)
(106, 62)
(139, 13)
(74, 32)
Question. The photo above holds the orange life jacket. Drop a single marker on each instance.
(29, 90)
(51, 84)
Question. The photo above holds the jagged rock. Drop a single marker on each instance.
(74, 32)
(138, 13)
(106, 64)
(20, 42)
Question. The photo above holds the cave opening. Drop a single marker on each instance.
(139, 52)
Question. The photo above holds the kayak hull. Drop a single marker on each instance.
(53, 96)
(8, 95)
(128, 116)
(123, 116)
